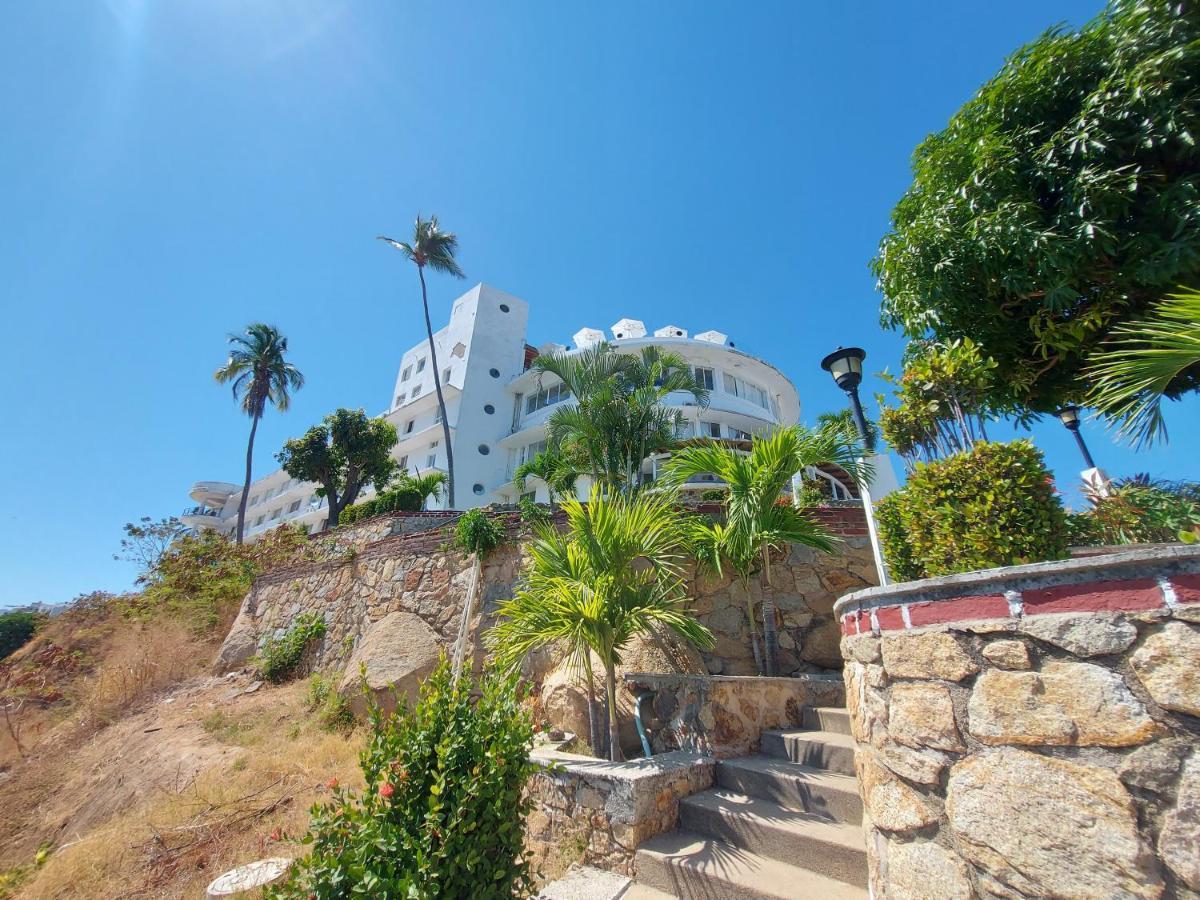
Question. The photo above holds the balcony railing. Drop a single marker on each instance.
(201, 511)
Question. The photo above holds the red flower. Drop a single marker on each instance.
(386, 790)
(332, 784)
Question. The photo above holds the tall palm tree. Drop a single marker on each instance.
(756, 520)
(1131, 375)
(260, 373)
(618, 416)
(430, 246)
(613, 574)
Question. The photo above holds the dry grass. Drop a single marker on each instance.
(141, 661)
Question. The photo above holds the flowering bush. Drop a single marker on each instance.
(443, 811)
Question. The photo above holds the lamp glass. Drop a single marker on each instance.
(1069, 415)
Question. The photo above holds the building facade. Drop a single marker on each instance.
(497, 407)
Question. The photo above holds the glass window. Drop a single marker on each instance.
(546, 397)
(433, 444)
(421, 364)
(712, 429)
(254, 500)
(399, 399)
(407, 371)
(295, 506)
(445, 375)
(276, 513)
(704, 378)
(431, 460)
(259, 521)
(416, 391)
(404, 461)
(408, 426)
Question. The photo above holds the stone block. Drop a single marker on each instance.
(1082, 635)
(1179, 843)
(1168, 664)
(922, 715)
(932, 654)
(1007, 654)
(892, 805)
(921, 870)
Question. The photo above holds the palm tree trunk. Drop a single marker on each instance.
(241, 523)
(770, 635)
(593, 712)
(758, 660)
(437, 386)
(614, 736)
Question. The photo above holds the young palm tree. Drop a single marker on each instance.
(756, 520)
(618, 416)
(554, 468)
(260, 373)
(435, 248)
(613, 574)
(1130, 376)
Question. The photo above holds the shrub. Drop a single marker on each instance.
(402, 498)
(1140, 511)
(993, 505)
(16, 628)
(711, 494)
(443, 810)
(280, 657)
(477, 533)
(331, 708)
(533, 514)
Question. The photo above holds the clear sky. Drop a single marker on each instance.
(175, 170)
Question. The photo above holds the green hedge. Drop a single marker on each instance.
(993, 505)
(400, 499)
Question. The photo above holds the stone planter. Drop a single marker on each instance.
(1031, 731)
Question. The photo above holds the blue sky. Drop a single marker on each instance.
(173, 171)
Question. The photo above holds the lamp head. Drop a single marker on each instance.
(1069, 415)
(845, 365)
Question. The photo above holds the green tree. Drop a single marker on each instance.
(260, 374)
(16, 628)
(430, 246)
(1060, 202)
(614, 573)
(1138, 365)
(146, 541)
(343, 454)
(618, 417)
(554, 468)
(756, 519)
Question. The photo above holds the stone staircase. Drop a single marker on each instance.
(783, 824)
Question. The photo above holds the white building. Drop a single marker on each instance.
(498, 407)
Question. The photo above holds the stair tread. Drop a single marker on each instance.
(759, 875)
(772, 815)
(835, 738)
(637, 891)
(774, 765)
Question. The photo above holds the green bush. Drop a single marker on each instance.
(16, 628)
(401, 498)
(533, 514)
(993, 505)
(444, 807)
(332, 710)
(1140, 511)
(477, 533)
(280, 657)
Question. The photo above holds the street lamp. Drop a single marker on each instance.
(1070, 417)
(845, 365)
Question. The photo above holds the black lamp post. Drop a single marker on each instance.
(845, 365)
(1070, 417)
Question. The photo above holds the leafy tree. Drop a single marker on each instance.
(554, 468)
(756, 520)
(146, 541)
(16, 628)
(1137, 366)
(1060, 202)
(619, 416)
(614, 573)
(430, 246)
(343, 454)
(260, 374)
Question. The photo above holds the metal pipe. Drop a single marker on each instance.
(637, 720)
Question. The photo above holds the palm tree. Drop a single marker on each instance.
(427, 485)
(613, 574)
(618, 416)
(435, 248)
(557, 471)
(261, 374)
(756, 518)
(1131, 375)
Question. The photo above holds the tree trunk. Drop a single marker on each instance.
(437, 386)
(241, 523)
(593, 712)
(614, 734)
(758, 660)
(770, 635)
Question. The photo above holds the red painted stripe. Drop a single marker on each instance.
(1187, 588)
(937, 612)
(890, 618)
(1095, 596)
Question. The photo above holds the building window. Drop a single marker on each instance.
(495, 373)
(445, 376)
(399, 399)
(408, 426)
(488, 408)
(546, 397)
(503, 307)
(275, 513)
(431, 460)
(416, 391)
(704, 378)
(477, 489)
(254, 500)
(437, 416)
(433, 444)
(404, 461)
(738, 434)
(407, 371)
(295, 506)
(259, 521)
(484, 449)
(530, 451)
(712, 429)
(421, 364)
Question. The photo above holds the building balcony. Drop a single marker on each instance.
(213, 493)
(201, 517)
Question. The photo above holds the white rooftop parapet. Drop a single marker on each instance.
(550, 348)
(588, 337)
(671, 331)
(713, 337)
(628, 328)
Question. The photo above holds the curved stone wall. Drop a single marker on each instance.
(1031, 731)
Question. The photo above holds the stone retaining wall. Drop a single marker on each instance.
(725, 717)
(598, 812)
(1031, 731)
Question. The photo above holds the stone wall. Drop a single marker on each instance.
(1031, 731)
(598, 812)
(725, 716)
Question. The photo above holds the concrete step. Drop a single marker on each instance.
(832, 849)
(694, 867)
(820, 749)
(826, 718)
(637, 891)
(829, 795)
